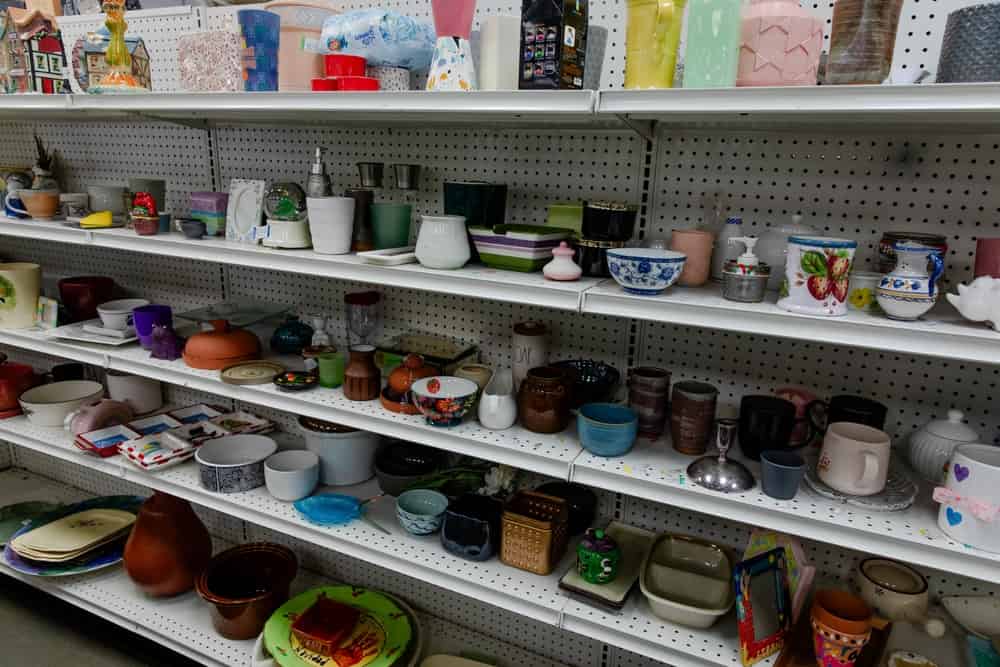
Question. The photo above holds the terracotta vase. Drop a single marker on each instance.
(697, 245)
(841, 624)
(168, 548)
(544, 399)
(361, 377)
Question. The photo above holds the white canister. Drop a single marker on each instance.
(499, 43)
(346, 455)
(816, 275)
(140, 393)
(932, 445)
(331, 224)
(20, 285)
(443, 242)
(529, 349)
(970, 499)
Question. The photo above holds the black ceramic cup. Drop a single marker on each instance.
(64, 372)
(471, 527)
(844, 408)
(766, 422)
(608, 221)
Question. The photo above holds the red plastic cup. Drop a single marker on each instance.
(345, 83)
(324, 85)
(339, 64)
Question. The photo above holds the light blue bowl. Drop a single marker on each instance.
(607, 429)
(421, 511)
(645, 271)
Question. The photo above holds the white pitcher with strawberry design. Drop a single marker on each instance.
(816, 275)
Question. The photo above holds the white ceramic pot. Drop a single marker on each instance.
(347, 455)
(498, 404)
(20, 285)
(117, 314)
(862, 291)
(816, 275)
(291, 475)
(969, 514)
(141, 394)
(50, 404)
(854, 459)
(932, 445)
(443, 242)
(894, 590)
(331, 224)
(910, 291)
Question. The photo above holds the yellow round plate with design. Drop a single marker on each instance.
(252, 372)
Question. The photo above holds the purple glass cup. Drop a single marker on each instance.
(144, 317)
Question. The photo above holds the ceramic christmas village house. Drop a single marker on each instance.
(31, 53)
(93, 67)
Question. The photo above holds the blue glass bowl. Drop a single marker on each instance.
(645, 271)
(607, 429)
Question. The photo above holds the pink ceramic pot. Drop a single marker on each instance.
(780, 45)
(697, 245)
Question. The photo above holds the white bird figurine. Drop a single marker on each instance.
(980, 301)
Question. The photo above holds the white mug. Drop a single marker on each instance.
(854, 459)
(331, 224)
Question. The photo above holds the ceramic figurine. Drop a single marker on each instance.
(38, 57)
(90, 63)
(167, 344)
(816, 275)
(980, 301)
(562, 266)
(598, 557)
(910, 290)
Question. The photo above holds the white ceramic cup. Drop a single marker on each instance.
(331, 223)
(291, 475)
(854, 459)
(974, 476)
(117, 314)
(140, 393)
(442, 242)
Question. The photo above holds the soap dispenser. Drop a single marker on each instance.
(318, 184)
(744, 279)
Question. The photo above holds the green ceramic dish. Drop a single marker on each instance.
(379, 639)
(12, 517)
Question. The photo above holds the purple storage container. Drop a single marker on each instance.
(209, 202)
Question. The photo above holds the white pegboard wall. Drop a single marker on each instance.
(915, 389)
(91, 153)
(853, 187)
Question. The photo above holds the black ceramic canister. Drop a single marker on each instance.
(608, 221)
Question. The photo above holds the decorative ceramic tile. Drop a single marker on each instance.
(209, 62)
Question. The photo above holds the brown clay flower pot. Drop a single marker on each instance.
(244, 585)
(168, 547)
(841, 624)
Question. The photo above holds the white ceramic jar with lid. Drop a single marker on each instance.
(931, 445)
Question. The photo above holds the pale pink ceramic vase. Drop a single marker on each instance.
(697, 245)
(780, 45)
(453, 18)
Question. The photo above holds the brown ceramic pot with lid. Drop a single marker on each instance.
(362, 378)
(221, 347)
(168, 547)
(396, 396)
(544, 399)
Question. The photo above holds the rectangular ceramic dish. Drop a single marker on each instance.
(687, 581)
(524, 248)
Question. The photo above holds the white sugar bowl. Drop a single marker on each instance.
(932, 444)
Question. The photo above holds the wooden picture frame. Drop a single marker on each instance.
(767, 569)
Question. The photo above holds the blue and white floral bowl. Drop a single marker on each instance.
(645, 271)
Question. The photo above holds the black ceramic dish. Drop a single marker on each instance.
(471, 528)
(608, 221)
(296, 381)
(581, 501)
(399, 465)
(593, 381)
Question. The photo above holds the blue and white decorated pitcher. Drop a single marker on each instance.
(910, 291)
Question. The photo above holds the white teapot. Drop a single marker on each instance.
(980, 301)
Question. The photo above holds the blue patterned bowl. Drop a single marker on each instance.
(645, 271)
(421, 511)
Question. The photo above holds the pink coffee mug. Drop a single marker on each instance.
(697, 245)
(988, 258)
(854, 459)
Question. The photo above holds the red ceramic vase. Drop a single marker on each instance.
(168, 548)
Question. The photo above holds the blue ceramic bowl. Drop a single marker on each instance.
(645, 271)
(607, 429)
(421, 511)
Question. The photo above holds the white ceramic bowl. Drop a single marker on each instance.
(234, 463)
(50, 404)
(291, 475)
(117, 314)
(645, 271)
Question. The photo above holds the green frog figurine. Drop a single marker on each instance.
(598, 557)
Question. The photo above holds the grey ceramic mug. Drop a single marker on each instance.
(781, 472)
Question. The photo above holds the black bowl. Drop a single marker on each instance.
(408, 459)
(593, 381)
(581, 501)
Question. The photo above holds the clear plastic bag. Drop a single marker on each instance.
(382, 37)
